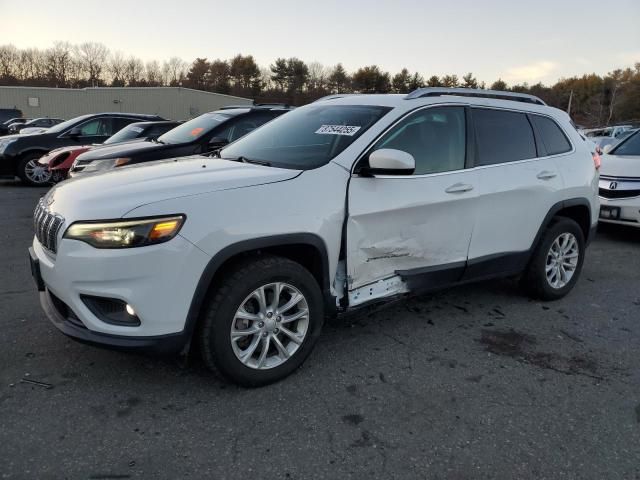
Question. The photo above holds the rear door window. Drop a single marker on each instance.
(502, 136)
(551, 136)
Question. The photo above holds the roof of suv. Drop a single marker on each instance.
(426, 96)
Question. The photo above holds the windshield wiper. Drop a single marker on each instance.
(242, 159)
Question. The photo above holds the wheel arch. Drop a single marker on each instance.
(308, 249)
(21, 156)
(577, 209)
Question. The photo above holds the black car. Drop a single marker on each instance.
(9, 113)
(4, 126)
(140, 131)
(203, 134)
(19, 154)
(44, 122)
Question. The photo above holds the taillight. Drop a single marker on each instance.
(596, 160)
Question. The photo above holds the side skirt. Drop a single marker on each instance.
(429, 279)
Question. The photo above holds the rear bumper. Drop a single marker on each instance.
(65, 321)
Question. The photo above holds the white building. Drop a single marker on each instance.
(174, 103)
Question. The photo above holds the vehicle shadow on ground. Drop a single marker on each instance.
(619, 233)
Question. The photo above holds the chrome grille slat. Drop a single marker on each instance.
(47, 226)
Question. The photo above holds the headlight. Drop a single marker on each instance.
(107, 164)
(127, 233)
(4, 144)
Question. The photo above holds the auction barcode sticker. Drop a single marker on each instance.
(347, 130)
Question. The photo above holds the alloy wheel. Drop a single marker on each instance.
(562, 260)
(36, 173)
(270, 325)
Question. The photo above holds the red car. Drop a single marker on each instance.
(60, 160)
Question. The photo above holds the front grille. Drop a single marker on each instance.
(603, 192)
(47, 225)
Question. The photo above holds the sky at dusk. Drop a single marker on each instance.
(515, 40)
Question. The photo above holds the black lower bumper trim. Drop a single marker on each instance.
(161, 344)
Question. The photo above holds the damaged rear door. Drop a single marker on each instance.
(408, 231)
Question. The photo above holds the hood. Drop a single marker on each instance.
(114, 193)
(620, 166)
(123, 150)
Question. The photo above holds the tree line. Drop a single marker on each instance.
(595, 99)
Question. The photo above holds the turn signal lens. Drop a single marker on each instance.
(118, 162)
(164, 229)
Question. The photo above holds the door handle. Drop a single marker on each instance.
(546, 175)
(459, 188)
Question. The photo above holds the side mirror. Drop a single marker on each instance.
(75, 132)
(607, 148)
(391, 162)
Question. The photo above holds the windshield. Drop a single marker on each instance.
(629, 146)
(307, 137)
(61, 127)
(194, 129)
(127, 133)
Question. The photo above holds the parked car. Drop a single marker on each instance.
(620, 182)
(200, 135)
(346, 202)
(4, 126)
(19, 154)
(607, 136)
(32, 130)
(35, 123)
(9, 113)
(59, 161)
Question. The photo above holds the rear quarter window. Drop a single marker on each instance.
(502, 136)
(551, 135)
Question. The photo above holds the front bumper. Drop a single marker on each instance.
(629, 210)
(71, 326)
(159, 281)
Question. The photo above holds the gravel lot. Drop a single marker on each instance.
(475, 382)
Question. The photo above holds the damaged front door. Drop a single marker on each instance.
(405, 228)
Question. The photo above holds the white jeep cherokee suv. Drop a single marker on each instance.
(344, 202)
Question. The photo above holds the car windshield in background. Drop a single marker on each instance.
(193, 129)
(127, 133)
(306, 138)
(61, 127)
(630, 146)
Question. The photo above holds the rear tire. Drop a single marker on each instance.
(249, 336)
(31, 173)
(556, 262)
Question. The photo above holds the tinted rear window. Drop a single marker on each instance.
(502, 136)
(552, 137)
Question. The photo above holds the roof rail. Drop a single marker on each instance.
(229, 107)
(336, 95)
(283, 105)
(473, 92)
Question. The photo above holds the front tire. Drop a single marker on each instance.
(31, 172)
(556, 262)
(262, 321)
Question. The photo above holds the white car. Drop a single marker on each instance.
(609, 135)
(620, 183)
(348, 201)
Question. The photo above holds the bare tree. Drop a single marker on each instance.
(174, 71)
(92, 58)
(133, 71)
(318, 76)
(117, 67)
(153, 73)
(59, 60)
(9, 57)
